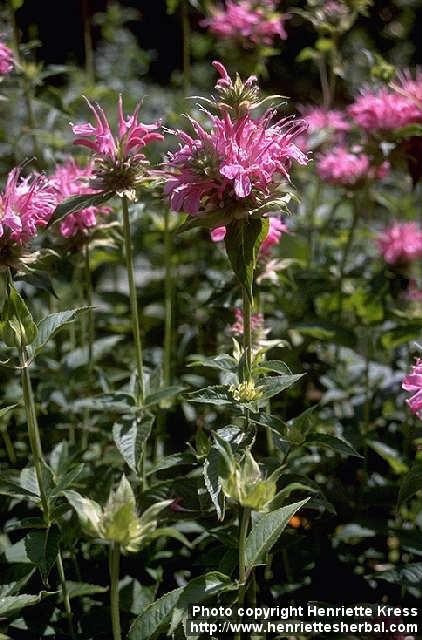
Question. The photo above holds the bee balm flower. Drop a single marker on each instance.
(401, 243)
(341, 166)
(119, 161)
(383, 110)
(413, 383)
(6, 59)
(70, 180)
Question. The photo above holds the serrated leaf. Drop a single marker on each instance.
(270, 386)
(42, 547)
(74, 204)
(212, 481)
(336, 444)
(243, 240)
(11, 604)
(412, 483)
(218, 395)
(88, 511)
(154, 617)
(49, 326)
(198, 590)
(80, 589)
(266, 532)
(129, 434)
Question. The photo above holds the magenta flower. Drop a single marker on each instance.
(234, 167)
(319, 119)
(342, 167)
(401, 243)
(411, 89)
(257, 322)
(119, 159)
(71, 180)
(247, 21)
(26, 204)
(6, 59)
(384, 110)
(413, 383)
(275, 230)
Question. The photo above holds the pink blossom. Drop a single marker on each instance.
(401, 242)
(257, 322)
(6, 59)
(340, 166)
(383, 110)
(235, 161)
(411, 88)
(26, 204)
(413, 383)
(319, 119)
(248, 21)
(70, 180)
(131, 138)
(275, 231)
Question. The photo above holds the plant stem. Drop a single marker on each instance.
(89, 49)
(91, 325)
(186, 47)
(244, 514)
(65, 592)
(9, 446)
(168, 299)
(114, 566)
(133, 300)
(345, 256)
(247, 334)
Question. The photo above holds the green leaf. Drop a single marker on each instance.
(223, 362)
(154, 617)
(79, 357)
(74, 204)
(49, 326)
(42, 547)
(80, 589)
(17, 328)
(209, 220)
(412, 483)
(162, 394)
(243, 240)
(212, 480)
(88, 511)
(109, 402)
(5, 410)
(299, 427)
(336, 444)
(11, 604)
(272, 385)
(390, 455)
(198, 590)
(266, 532)
(130, 433)
(8, 488)
(326, 331)
(218, 395)
(66, 480)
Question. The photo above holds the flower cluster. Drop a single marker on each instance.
(119, 161)
(319, 119)
(257, 323)
(26, 204)
(70, 180)
(247, 21)
(413, 383)
(235, 167)
(401, 243)
(6, 59)
(385, 109)
(343, 167)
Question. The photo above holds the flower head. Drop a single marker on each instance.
(384, 110)
(401, 243)
(343, 167)
(6, 59)
(119, 159)
(410, 88)
(248, 22)
(413, 383)
(26, 204)
(235, 167)
(70, 180)
(319, 118)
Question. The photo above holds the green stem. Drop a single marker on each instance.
(114, 567)
(91, 325)
(65, 592)
(133, 300)
(247, 334)
(186, 47)
(9, 446)
(345, 256)
(168, 299)
(89, 49)
(244, 514)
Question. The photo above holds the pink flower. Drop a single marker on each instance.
(411, 88)
(247, 21)
(401, 242)
(319, 119)
(275, 231)
(6, 59)
(413, 383)
(340, 166)
(131, 138)
(70, 180)
(238, 160)
(257, 322)
(383, 110)
(26, 204)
